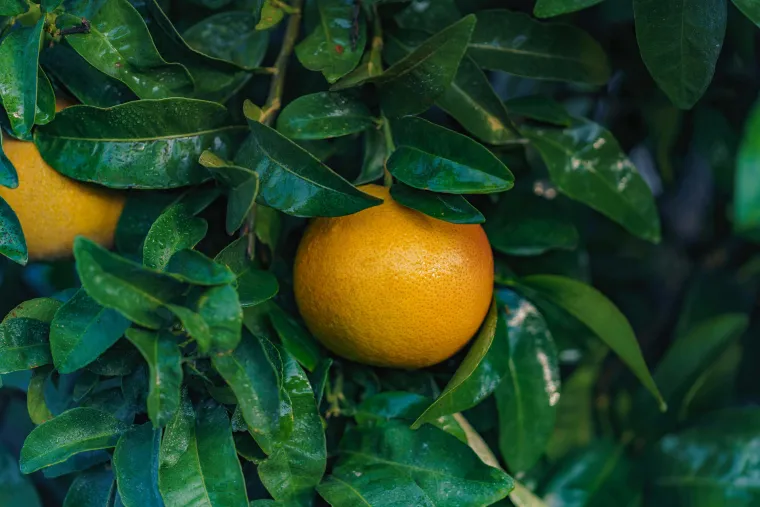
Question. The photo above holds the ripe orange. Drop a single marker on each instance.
(390, 286)
(54, 209)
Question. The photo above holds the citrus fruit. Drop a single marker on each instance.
(54, 209)
(390, 286)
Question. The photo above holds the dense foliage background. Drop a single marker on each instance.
(614, 145)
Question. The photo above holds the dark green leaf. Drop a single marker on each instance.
(213, 317)
(527, 398)
(20, 52)
(13, 7)
(50, 5)
(451, 208)
(243, 188)
(74, 431)
(551, 8)
(295, 467)
(92, 488)
(81, 331)
(429, 16)
(390, 464)
(415, 82)
(119, 45)
(747, 186)
(230, 36)
(45, 100)
(296, 339)
(254, 286)
(140, 211)
(35, 396)
(478, 375)
(121, 359)
(373, 161)
(174, 230)
(135, 463)
(164, 360)
(539, 108)
(324, 115)
(254, 371)
(680, 42)
(15, 489)
(198, 463)
(194, 267)
(336, 45)
(750, 8)
(24, 335)
(431, 157)
(142, 144)
(514, 42)
(598, 313)
(586, 163)
(320, 377)
(8, 174)
(295, 182)
(136, 292)
(12, 242)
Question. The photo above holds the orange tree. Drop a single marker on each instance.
(219, 310)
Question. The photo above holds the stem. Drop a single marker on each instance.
(389, 147)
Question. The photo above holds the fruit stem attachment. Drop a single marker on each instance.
(389, 147)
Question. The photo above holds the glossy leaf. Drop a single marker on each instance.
(147, 144)
(12, 241)
(447, 207)
(24, 335)
(13, 7)
(680, 43)
(390, 464)
(586, 163)
(415, 82)
(230, 36)
(82, 330)
(135, 463)
(91, 488)
(296, 339)
(254, 371)
(164, 360)
(253, 285)
(243, 186)
(337, 42)
(431, 157)
(750, 8)
(119, 45)
(540, 108)
(428, 16)
(8, 174)
(136, 292)
(174, 230)
(602, 317)
(746, 186)
(195, 268)
(478, 375)
(324, 115)
(527, 397)
(295, 467)
(19, 52)
(35, 396)
(552, 8)
(198, 463)
(141, 209)
(294, 181)
(45, 108)
(373, 161)
(212, 316)
(15, 489)
(121, 359)
(74, 431)
(514, 42)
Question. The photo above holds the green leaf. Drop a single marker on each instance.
(324, 115)
(242, 184)
(294, 181)
(20, 52)
(295, 338)
(709, 464)
(195, 268)
(450, 208)
(253, 285)
(470, 99)
(746, 206)
(254, 371)
(415, 82)
(136, 292)
(119, 45)
(91, 488)
(337, 43)
(373, 161)
(514, 42)
(527, 398)
(164, 360)
(390, 464)
(552, 8)
(147, 144)
(478, 375)
(45, 108)
(135, 463)
(198, 463)
(141, 209)
(15, 489)
(35, 396)
(77, 463)
(750, 8)
(50, 5)
(229, 36)
(586, 163)
(680, 43)
(12, 242)
(271, 15)
(24, 335)
(121, 359)
(295, 467)
(82, 330)
(540, 108)
(174, 230)
(431, 157)
(13, 7)
(213, 317)
(8, 174)
(602, 317)
(74, 431)
(525, 224)
(429, 16)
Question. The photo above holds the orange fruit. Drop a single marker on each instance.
(54, 209)
(390, 286)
